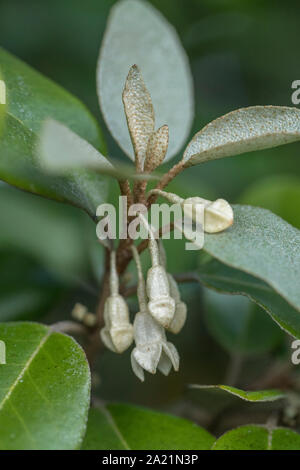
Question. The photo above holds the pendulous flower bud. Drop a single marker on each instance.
(179, 318)
(117, 334)
(180, 307)
(81, 314)
(161, 305)
(218, 215)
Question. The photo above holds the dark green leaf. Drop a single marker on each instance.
(225, 279)
(31, 99)
(240, 325)
(253, 437)
(58, 237)
(130, 427)
(26, 289)
(44, 389)
(277, 193)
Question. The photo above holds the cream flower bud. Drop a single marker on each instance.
(81, 314)
(218, 215)
(117, 334)
(152, 350)
(161, 305)
(180, 307)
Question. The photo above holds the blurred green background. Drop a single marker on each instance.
(242, 53)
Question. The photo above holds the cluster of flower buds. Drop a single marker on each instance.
(152, 350)
(117, 334)
(218, 215)
(160, 304)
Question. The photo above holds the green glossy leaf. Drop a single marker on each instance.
(138, 34)
(277, 193)
(31, 99)
(263, 245)
(18, 167)
(253, 437)
(58, 237)
(27, 290)
(244, 130)
(119, 426)
(222, 278)
(240, 325)
(102, 433)
(44, 389)
(253, 396)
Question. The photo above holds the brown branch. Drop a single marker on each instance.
(166, 179)
(126, 191)
(187, 277)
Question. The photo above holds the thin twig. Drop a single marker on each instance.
(69, 327)
(166, 179)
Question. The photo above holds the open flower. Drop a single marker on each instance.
(152, 350)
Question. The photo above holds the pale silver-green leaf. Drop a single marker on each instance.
(157, 148)
(139, 113)
(244, 130)
(138, 34)
(262, 244)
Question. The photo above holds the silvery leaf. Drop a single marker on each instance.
(244, 130)
(138, 34)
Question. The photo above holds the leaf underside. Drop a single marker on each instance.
(138, 34)
(222, 278)
(262, 245)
